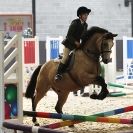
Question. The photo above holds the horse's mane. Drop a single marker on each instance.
(90, 32)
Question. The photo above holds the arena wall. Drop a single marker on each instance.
(54, 16)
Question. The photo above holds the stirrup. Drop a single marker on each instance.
(58, 77)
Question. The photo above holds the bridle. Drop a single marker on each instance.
(96, 55)
(104, 51)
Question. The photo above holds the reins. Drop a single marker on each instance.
(92, 54)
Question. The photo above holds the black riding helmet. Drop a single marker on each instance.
(82, 10)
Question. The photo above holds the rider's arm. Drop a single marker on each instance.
(72, 32)
(83, 36)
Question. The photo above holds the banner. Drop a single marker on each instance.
(11, 24)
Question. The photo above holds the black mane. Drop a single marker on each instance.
(90, 32)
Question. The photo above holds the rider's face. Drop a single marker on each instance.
(84, 17)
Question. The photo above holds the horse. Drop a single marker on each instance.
(96, 46)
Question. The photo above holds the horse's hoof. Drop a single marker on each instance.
(71, 126)
(103, 95)
(94, 96)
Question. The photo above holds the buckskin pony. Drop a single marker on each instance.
(96, 46)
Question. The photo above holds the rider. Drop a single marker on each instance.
(73, 38)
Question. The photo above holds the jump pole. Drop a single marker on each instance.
(103, 114)
(119, 94)
(29, 129)
(120, 86)
(82, 118)
(1, 81)
(116, 85)
(100, 117)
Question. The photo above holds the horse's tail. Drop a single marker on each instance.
(32, 83)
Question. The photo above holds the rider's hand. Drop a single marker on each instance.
(77, 44)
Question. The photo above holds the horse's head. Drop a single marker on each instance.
(98, 42)
(105, 46)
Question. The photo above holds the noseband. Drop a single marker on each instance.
(104, 51)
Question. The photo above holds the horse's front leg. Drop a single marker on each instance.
(92, 79)
(104, 91)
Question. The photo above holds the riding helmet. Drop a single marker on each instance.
(82, 10)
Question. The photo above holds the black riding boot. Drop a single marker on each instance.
(61, 69)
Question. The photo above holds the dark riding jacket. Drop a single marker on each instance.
(75, 32)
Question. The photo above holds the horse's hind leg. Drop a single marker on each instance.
(62, 97)
(42, 87)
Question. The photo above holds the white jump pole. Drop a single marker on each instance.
(2, 109)
(19, 77)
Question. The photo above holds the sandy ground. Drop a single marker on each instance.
(84, 106)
